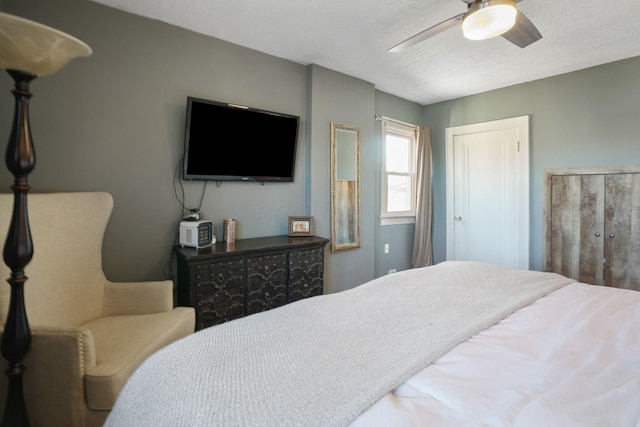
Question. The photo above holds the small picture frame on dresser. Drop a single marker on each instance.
(300, 226)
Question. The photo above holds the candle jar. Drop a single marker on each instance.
(229, 230)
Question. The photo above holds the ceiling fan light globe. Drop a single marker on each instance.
(488, 19)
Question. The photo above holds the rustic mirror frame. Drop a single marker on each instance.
(345, 187)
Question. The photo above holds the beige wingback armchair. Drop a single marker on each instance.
(88, 334)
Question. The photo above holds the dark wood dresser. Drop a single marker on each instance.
(227, 281)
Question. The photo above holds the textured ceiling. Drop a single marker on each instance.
(352, 37)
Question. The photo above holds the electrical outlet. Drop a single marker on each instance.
(386, 248)
(393, 270)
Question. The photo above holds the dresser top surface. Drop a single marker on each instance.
(256, 244)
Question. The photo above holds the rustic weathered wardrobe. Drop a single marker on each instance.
(592, 225)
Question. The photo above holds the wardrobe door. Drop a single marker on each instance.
(622, 228)
(577, 227)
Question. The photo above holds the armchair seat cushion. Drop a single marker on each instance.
(122, 343)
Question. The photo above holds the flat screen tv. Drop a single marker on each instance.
(227, 142)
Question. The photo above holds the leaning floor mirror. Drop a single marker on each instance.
(345, 187)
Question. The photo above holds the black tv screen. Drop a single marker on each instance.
(227, 142)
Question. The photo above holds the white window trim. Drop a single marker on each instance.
(405, 217)
(397, 220)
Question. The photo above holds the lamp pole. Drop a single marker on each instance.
(18, 250)
(27, 49)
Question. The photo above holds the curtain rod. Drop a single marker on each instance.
(389, 119)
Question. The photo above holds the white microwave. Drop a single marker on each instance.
(196, 234)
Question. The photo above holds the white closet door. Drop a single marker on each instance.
(488, 193)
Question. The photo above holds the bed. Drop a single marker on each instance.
(455, 344)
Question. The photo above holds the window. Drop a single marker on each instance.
(399, 144)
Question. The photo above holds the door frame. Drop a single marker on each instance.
(522, 124)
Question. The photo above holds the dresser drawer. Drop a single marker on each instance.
(266, 282)
(218, 307)
(306, 271)
(212, 277)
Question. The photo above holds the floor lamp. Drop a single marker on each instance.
(27, 50)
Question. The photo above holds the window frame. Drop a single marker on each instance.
(402, 130)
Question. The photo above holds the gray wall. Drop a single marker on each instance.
(115, 122)
(584, 118)
(336, 97)
(399, 237)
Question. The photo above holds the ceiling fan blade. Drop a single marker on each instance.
(429, 32)
(523, 32)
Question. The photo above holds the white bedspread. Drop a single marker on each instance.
(570, 359)
(324, 360)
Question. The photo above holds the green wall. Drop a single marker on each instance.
(585, 118)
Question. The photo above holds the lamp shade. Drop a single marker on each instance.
(490, 18)
(34, 48)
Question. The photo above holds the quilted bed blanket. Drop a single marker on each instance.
(323, 361)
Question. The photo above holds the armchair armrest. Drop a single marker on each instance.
(129, 298)
(54, 375)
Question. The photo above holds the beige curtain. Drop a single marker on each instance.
(422, 246)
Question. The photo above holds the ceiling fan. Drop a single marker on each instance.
(482, 20)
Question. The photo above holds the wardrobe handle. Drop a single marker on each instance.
(611, 235)
(597, 234)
